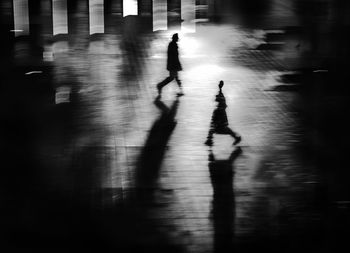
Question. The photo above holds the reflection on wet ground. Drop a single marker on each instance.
(94, 160)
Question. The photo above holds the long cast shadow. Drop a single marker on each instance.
(223, 204)
(149, 162)
(141, 227)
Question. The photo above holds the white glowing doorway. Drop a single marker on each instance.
(130, 7)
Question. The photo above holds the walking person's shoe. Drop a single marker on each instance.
(179, 94)
(237, 140)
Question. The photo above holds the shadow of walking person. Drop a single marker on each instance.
(145, 204)
(132, 225)
(223, 204)
(151, 157)
(219, 121)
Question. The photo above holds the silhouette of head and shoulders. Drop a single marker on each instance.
(220, 97)
(175, 38)
(173, 42)
(173, 63)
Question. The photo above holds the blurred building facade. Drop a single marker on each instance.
(323, 23)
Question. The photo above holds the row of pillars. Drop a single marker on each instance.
(159, 10)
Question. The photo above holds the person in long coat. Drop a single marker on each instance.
(219, 122)
(173, 66)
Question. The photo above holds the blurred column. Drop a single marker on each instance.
(96, 17)
(188, 16)
(160, 15)
(130, 7)
(59, 17)
(21, 17)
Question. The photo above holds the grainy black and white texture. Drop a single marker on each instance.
(92, 159)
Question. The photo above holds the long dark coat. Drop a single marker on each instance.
(219, 119)
(173, 63)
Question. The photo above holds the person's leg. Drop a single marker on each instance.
(164, 82)
(237, 137)
(209, 142)
(178, 81)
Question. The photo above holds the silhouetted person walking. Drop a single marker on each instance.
(219, 122)
(173, 66)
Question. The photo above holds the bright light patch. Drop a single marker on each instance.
(160, 18)
(129, 7)
(34, 72)
(59, 17)
(188, 15)
(21, 17)
(96, 16)
(190, 47)
(48, 53)
(62, 95)
(207, 70)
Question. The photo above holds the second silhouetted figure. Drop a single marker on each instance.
(219, 121)
(173, 66)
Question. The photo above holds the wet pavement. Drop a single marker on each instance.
(94, 160)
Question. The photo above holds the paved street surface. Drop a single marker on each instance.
(95, 160)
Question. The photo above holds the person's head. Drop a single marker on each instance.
(221, 84)
(175, 37)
